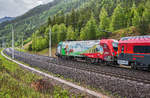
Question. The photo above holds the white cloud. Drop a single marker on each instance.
(40, 2)
(18, 7)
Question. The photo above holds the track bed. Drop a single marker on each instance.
(125, 82)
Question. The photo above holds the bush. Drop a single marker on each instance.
(30, 47)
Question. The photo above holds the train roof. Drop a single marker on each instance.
(87, 40)
(135, 39)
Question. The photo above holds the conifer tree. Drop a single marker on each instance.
(104, 23)
(136, 16)
(61, 36)
(118, 18)
(49, 21)
(104, 20)
(55, 31)
(73, 19)
(71, 35)
(90, 30)
(144, 25)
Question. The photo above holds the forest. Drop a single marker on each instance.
(29, 22)
(95, 19)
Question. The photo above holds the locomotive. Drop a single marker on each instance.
(91, 50)
(128, 51)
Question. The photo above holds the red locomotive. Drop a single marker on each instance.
(134, 51)
(91, 50)
(107, 51)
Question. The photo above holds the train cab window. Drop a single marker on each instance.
(59, 48)
(122, 49)
(115, 46)
(141, 49)
(105, 45)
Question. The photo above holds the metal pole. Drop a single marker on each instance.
(50, 41)
(22, 40)
(12, 43)
(3, 42)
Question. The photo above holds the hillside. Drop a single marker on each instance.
(26, 24)
(97, 19)
(6, 19)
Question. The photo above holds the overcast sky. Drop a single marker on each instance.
(15, 8)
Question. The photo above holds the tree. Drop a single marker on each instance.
(104, 22)
(83, 34)
(144, 25)
(136, 16)
(73, 19)
(67, 20)
(49, 21)
(118, 18)
(55, 31)
(54, 20)
(71, 35)
(61, 36)
(129, 17)
(90, 30)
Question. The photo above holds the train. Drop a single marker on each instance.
(129, 51)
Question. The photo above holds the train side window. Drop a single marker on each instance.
(141, 49)
(122, 49)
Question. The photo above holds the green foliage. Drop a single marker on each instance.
(27, 41)
(94, 18)
(136, 16)
(59, 93)
(144, 25)
(90, 30)
(55, 30)
(16, 82)
(32, 20)
(118, 18)
(71, 35)
(61, 36)
(104, 19)
(104, 23)
(39, 43)
(49, 21)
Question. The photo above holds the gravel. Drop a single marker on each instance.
(72, 70)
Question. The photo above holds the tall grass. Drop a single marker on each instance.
(16, 82)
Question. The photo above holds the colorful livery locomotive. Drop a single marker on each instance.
(134, 51)
(93, 50)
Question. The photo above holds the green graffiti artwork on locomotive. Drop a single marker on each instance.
(76, 48)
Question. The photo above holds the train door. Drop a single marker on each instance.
(122, 51)
(122, 56)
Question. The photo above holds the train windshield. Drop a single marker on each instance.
(115, 45)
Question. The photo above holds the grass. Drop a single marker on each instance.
(130, 31)
(44, 52)
(21, 50)
(16, 82)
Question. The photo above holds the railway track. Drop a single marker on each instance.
(92, 68)
(128, 83)
(122, 76)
